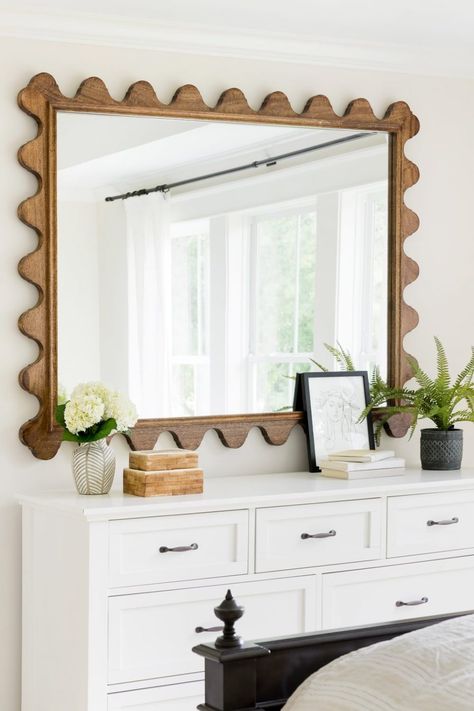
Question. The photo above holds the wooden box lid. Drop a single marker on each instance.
(163, 459)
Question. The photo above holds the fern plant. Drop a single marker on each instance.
(342, 357)
(439, 399)
(345, 362)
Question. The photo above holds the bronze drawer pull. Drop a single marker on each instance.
(411, 603)
(443, 522)
(179, 549)
(329, 534)
(209, 629)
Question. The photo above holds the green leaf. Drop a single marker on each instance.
(467, 373)
(443, 379)
(422, 378)
(462, 416)
(343, 358)
(59, 414)
(100, 431)
(70, 437)
(346, 357)
(435, 399)
(318, 365)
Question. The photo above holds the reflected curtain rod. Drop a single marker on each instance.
(166, 187)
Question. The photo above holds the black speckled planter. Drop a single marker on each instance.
(441, 449)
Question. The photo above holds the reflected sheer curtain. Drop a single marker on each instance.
(149, 309)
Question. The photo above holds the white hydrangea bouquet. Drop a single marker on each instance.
(88, 417)
(94, 412)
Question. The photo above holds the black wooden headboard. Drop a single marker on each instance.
(263, 674)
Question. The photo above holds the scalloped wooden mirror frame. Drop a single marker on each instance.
(42, 98)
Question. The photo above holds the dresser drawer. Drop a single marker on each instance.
(215, 544)
(318, 534)
(369, 596)
(151, 635)
(430, 523)
(176, 697)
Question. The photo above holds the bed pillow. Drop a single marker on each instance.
(431, 668)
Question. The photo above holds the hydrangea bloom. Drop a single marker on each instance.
(93, 388)
(122, 410)
(82, 412)
(92, 403)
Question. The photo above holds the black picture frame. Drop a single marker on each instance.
(304, 400)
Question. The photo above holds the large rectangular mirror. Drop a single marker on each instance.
(207, 297)
(198, 264)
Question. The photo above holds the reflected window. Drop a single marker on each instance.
(269, 273)
(190, 297)
(283, 321)
(361, 321)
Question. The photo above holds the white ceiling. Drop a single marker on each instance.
(435, 35)
(426, 22)
(125, 151)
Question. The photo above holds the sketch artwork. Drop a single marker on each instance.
(333, 404)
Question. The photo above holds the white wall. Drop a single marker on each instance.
(444, 247)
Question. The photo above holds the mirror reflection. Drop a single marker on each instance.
(206, 297)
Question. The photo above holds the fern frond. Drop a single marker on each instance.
(460, 393)
(469, 397)
(319, 365)
(334, 352)
(422, 378)
(386, 394)
(347, 358)
(343, 358)
(389, 395)
(467, 373)
(434, 399)
(375, 376)
(462, 416)
(443, 379)
(378, 426)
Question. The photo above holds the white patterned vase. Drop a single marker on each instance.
(93, 466)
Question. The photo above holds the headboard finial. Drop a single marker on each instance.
(229, 611)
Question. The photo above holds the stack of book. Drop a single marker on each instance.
(165, 472)
(362, 464)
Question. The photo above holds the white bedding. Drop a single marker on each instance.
(431, 669)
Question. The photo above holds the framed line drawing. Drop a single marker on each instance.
(332, 404)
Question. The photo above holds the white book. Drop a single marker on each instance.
(392, 463)
(362, 455)
(362, 473)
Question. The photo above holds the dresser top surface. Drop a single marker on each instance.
(251, 490)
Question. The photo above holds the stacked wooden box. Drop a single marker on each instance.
(163, 473)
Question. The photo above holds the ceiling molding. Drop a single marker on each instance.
(128, 32)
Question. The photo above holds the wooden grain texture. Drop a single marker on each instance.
(159, 460)
(163, 483)
(398, 425)
(42, 98)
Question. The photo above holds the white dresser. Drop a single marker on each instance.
(110, 610)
